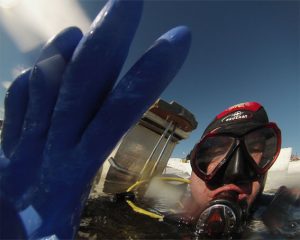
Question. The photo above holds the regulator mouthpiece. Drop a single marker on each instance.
(222, 219)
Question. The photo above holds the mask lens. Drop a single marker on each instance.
(262, 146)
(211, 151)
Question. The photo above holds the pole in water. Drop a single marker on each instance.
(154, 150)
(162, 151)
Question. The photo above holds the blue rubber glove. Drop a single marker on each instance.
(63, 117)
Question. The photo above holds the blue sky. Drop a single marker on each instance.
(241, 51)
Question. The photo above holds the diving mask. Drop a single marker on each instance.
(262, 146)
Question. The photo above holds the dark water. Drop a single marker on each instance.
(105, 218)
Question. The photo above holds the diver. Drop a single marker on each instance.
(229, 171)
(223, 197)
(230, 165)
(62, 121)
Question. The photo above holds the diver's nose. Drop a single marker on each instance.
(238, 169)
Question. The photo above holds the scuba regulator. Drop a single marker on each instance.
(223, 218)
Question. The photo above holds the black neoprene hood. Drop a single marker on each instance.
(239, 119)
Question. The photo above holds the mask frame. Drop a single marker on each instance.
(238, 141)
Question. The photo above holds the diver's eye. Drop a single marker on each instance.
(218, 151)
(257, 148)
(293, 225)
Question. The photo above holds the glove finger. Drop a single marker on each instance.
(135, 93)
(16, 101)
(93, 70)
(44, 83)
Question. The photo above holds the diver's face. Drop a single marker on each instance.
(236, 176)
(228, 166)
(202, 194)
